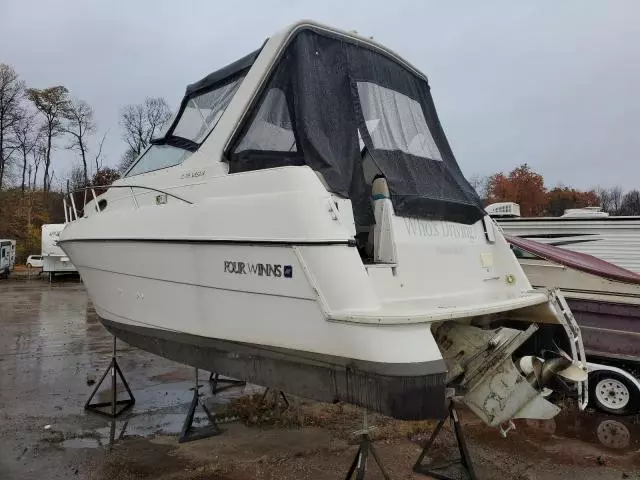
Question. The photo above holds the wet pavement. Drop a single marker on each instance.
(53, 349)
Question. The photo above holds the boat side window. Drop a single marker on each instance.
(158, 157)
(271, 129)
(202, 112)
(396, 122)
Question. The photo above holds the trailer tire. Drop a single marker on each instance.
(613, 393)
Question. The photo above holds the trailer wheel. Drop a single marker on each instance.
(613, 393)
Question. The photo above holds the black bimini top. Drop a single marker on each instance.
(350, 111)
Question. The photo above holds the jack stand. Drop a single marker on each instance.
(227, 383)
(99, 407)
(359, 464)
(112, 432)
(442, 471)
(278, 395)
(188, 432)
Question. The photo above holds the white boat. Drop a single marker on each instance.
(302, 224)
(585, 230)
(54, 259)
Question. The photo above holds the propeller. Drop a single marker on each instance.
(557, 372)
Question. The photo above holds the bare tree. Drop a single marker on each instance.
(616, 200)
(481, 184)
(11, 91)
(52, 103)
(98, 156)
(128, 157)
(140, 123)
(77, 180)
(37, 155)
(79, 125)
(630, 204)
(26, 134)
(610, 199)
(604, 198)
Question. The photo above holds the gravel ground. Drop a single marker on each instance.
(53, 348)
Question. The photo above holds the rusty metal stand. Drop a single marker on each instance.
(359, 464)
(220, 384)
(117, 406)
(189, 432)
(443, 471)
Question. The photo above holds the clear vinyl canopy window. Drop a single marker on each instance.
(202, 112)
(396, 122)
(271, 129)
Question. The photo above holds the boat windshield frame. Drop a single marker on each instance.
(230, 76)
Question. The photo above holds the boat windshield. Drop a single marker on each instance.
(202, 112)
(198, 115)
(158, 157)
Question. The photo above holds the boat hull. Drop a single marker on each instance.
(607, 311)
(417, 393)
(609, 329)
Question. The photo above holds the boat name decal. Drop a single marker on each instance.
(193, 174)
(260, 269)
(424, 228)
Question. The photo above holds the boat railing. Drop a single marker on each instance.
(71, 210)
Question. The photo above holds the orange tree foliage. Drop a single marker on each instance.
(561, 198)
(22, 215)
(526, 187)
(523, 186)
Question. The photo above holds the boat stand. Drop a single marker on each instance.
(189, 432)
(112, 433)
(359, 464)
(278, 395)
(218, 384)
(117, 406)
(462, 468)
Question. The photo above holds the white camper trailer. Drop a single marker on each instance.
(7, 257)
(12, 255)
(54, 260)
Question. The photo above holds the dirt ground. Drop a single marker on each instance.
(53, 349)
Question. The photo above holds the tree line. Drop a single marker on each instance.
(526, 187)
(35, 122)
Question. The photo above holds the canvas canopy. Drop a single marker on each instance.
(350, 111)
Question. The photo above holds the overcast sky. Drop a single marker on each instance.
(551, 83)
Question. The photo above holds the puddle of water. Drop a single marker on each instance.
(86, 442)
(615, 433)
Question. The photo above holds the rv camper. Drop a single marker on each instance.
(54, 260)
(7, 257)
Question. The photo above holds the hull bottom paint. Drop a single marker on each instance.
(402, 391)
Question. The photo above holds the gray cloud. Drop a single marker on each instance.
(553, 84)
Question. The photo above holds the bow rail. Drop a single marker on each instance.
(71, 211)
